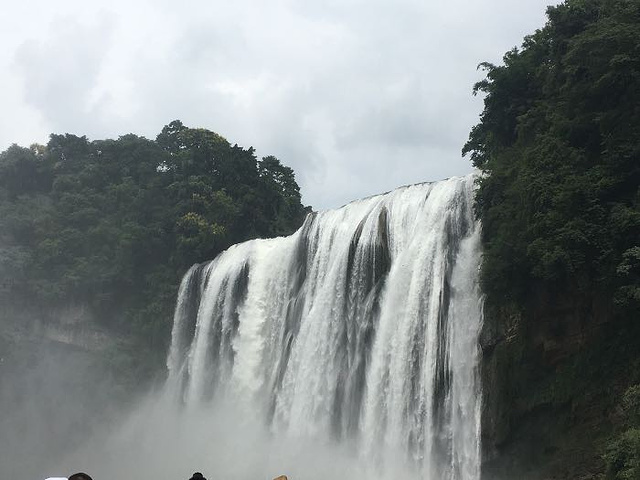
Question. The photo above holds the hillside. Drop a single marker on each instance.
(559, 147)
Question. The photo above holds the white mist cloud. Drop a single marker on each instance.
(159, 441)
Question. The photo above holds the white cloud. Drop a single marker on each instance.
(358, 97)
(61, 74)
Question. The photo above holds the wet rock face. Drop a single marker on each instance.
(74, 325)
(60, 378)
(536, 362)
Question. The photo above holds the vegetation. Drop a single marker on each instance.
(622, 455)
(113, 224)
(559, 146)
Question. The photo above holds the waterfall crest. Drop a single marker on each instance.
(360, 328)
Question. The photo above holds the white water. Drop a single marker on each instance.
(359, 332)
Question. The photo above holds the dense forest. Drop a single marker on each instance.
(559, 148)
(113, 224)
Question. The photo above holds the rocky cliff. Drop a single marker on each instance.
(62, 377)
(553, 375)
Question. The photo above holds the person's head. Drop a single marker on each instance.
(197, 476)
(80, 476)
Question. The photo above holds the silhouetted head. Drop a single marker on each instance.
(80, 476)
(197, 476)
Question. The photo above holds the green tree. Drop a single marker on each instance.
(559, 146)
(115, 223)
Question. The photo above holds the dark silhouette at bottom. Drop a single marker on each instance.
(80, 476)
(197, 476)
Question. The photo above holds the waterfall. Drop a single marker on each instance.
(360, 328)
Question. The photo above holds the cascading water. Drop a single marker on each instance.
(361, 328)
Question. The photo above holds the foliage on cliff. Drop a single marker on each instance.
(559, 146)
(115, 223)
(622, 455)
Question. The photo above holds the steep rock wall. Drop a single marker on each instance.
(552, 374)
(62, 377)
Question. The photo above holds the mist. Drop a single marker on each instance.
(63, 413)
(159, 441)
(54, 397)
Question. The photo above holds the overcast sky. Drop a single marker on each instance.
(359, 97)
